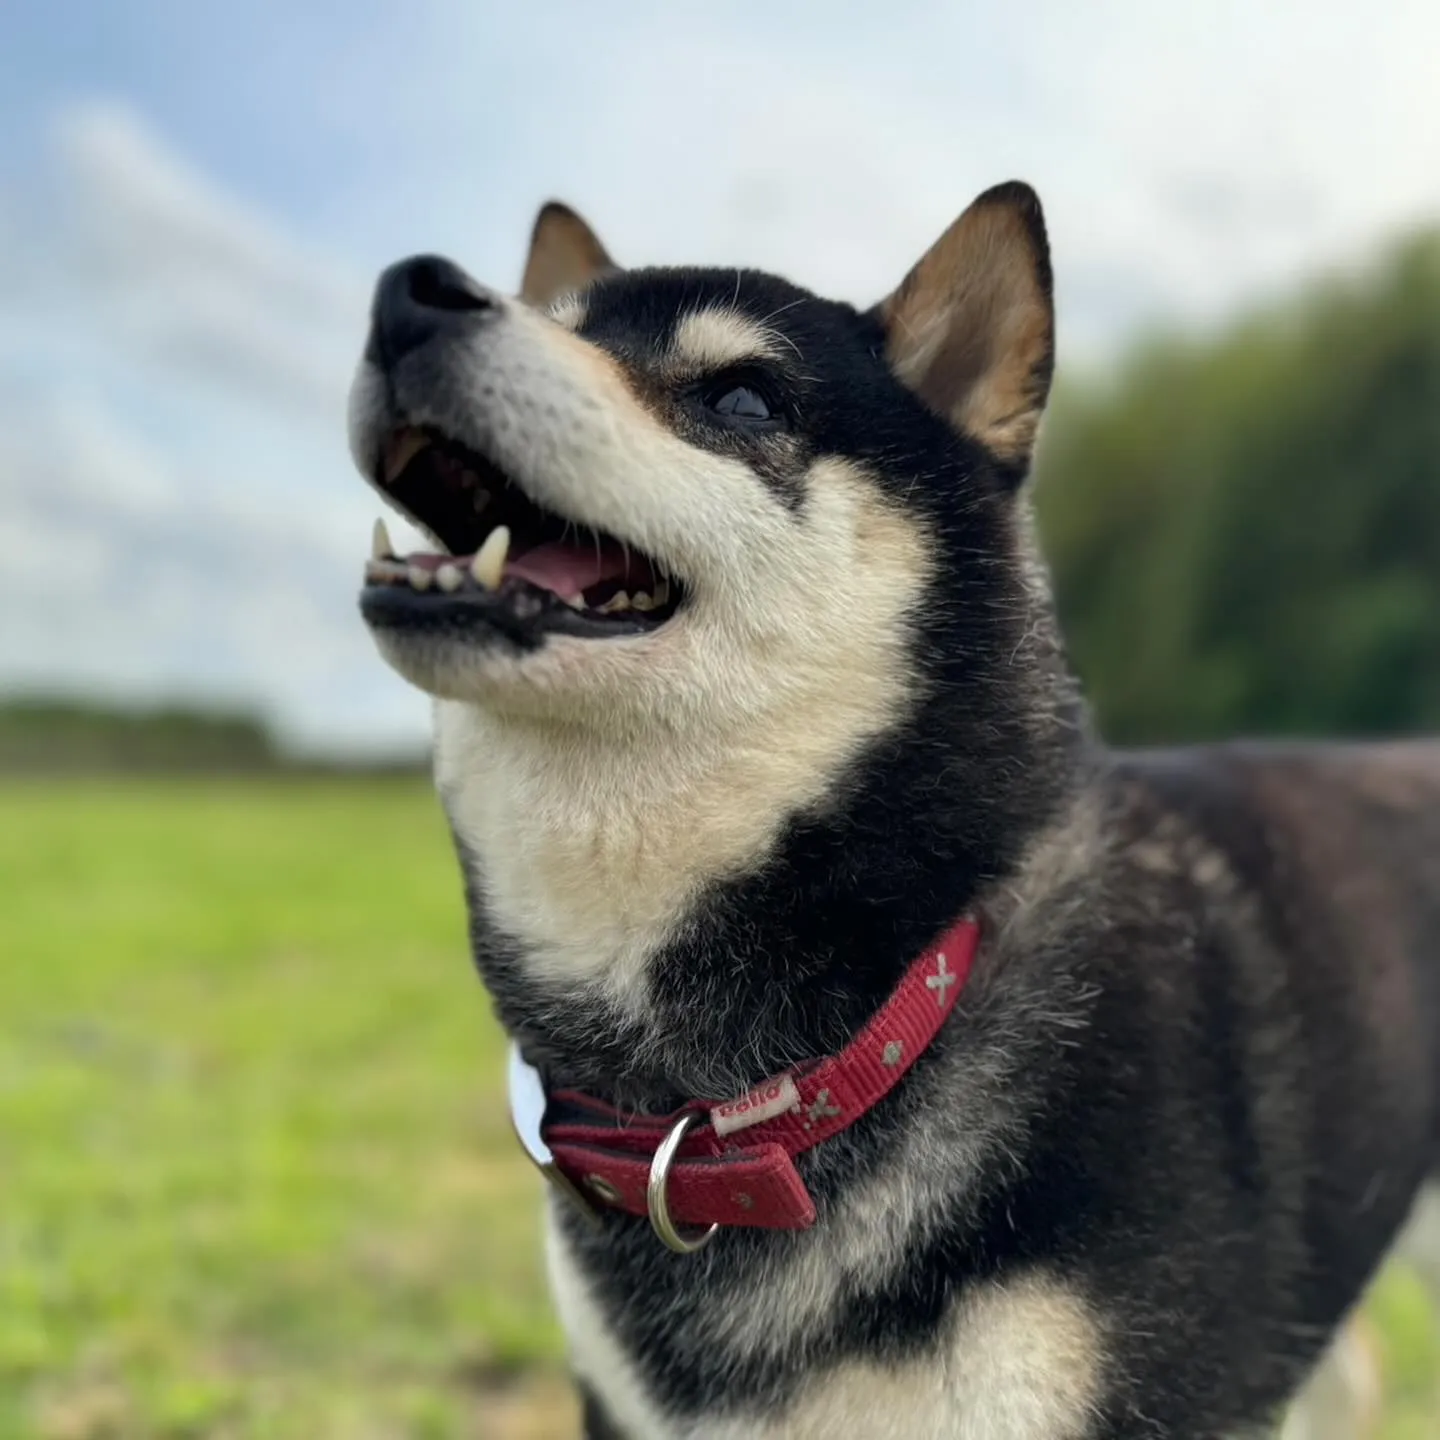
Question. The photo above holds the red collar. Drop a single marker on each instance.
(732, 1162)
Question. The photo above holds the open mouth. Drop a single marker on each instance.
(510, 565)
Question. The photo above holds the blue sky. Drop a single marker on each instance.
(194, 199)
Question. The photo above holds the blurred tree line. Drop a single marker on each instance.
(1245, 529)
(42, 735)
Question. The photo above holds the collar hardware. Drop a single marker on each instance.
(527, 1114)
(658, 1203)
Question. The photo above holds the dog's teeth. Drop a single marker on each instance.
(489, 562)
(641, 601)
(662, 592)
(384, 572)
(449, 577)
(404, 446)
(575, 602)
(419, 577)
(619, 601)
(380, 547)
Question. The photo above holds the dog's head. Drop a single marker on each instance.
(651, 486)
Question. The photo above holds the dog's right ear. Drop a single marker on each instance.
(564, 255)
(971, 328)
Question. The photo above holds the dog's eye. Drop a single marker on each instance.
(739, 402)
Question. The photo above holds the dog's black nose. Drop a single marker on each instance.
(418, 299)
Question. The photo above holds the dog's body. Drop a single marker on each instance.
(1189, 1094)
(1141, 1177)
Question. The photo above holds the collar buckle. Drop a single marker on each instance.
(657, 1200)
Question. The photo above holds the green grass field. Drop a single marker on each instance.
(256, 1176)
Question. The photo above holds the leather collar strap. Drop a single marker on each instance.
(736, 1162)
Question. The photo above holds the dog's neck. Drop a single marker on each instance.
(687, 913)
(651, 930)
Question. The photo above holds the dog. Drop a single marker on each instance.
(903, 1061)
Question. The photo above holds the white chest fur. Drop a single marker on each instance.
(1016, 1361)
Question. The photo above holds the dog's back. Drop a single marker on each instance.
(1283, 903)
(1338, 846)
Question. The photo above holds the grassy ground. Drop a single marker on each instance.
(256, 1178)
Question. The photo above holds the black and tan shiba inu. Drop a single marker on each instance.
(993, 1084)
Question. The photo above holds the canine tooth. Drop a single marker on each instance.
(618, 601)
(419, 577)
(489, 562)
(380, 547)
(404, 446)
(449, 577)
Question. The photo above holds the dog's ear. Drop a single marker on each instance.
(971, 328)
(564, 255)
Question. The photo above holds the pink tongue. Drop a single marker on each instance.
(570, 570)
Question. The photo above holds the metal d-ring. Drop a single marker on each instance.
(655, 1196)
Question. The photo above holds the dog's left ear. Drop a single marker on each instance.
(565, 254)
(971, 328)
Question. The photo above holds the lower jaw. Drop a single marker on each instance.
(525, 678)
(516, 611)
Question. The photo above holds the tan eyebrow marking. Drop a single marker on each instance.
(713, 338)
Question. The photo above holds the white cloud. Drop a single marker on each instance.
(176, 504)
(121, 575)
(182, 273)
